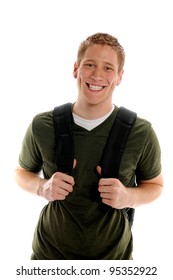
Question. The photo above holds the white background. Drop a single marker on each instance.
(38, 46)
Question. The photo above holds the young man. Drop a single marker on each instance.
(85, 217)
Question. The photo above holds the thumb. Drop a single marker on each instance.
(99, 170)
(74, 163)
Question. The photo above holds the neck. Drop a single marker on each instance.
(91, 111)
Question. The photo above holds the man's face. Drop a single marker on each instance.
(97, 75)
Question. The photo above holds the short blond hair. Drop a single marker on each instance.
(102, 39)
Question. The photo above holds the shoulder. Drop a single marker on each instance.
(42, 117)
(143, 136)
(143, 132)
(42, 120)
(142, 125)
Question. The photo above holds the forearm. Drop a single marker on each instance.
(29, 181)
(146, 192)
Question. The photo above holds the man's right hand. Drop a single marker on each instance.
(57, 187)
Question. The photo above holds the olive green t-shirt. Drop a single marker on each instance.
(81, 226)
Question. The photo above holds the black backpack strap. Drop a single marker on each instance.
(63, 120)
(111, 159)
(116, 143)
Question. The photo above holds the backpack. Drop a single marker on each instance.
(113, 151)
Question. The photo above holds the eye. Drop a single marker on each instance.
(108, 68)
(89, 65)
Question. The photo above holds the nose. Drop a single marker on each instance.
(97, 74)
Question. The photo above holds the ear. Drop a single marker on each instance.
(120, 75)
(75, 70)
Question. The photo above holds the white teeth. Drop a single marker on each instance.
(92, 87)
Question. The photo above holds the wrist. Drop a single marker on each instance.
(131, 197)
(41, 183)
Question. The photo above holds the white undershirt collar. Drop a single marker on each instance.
(91, 124)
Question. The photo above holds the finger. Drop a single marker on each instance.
(62, 191)
(64, 177)
(109, 182)
(66, 187)
(105, 195)
(59, 197)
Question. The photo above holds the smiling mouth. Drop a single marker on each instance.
(95, 87)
